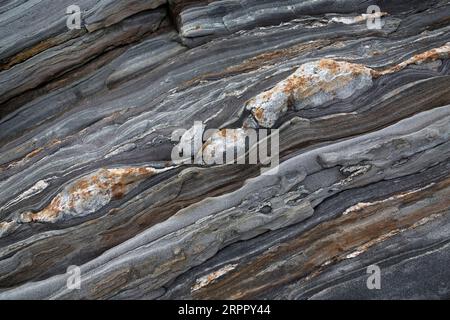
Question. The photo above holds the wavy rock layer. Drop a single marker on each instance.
(86, 170)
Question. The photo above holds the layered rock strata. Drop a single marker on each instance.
(88, 179)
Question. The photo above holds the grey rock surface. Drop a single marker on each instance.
(88, 178)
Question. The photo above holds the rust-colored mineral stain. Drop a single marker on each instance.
(79, 185)
(329, 64)
(267, 95)
(427, 56)
(258, 113)
(231, 133)
(294, 83)
(28, 53)
(431, 55)
(34, 153)
(49, 213)
(263, 59)
(54, 142)
(38, 48)
(223, 133)
(118, 191)
(105, 183)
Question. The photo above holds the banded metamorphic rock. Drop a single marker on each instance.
(87, 176)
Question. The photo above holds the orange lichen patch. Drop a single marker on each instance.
(329, 64)
(427, 56)
(258, 113)
(49, 214)
(338, 67)
(227, 142)
(315, 83)
(312, 84)
(90, 193)
(431, 55)
(223, 135)
(295, 82)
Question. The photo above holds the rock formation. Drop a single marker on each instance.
(88, 178)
